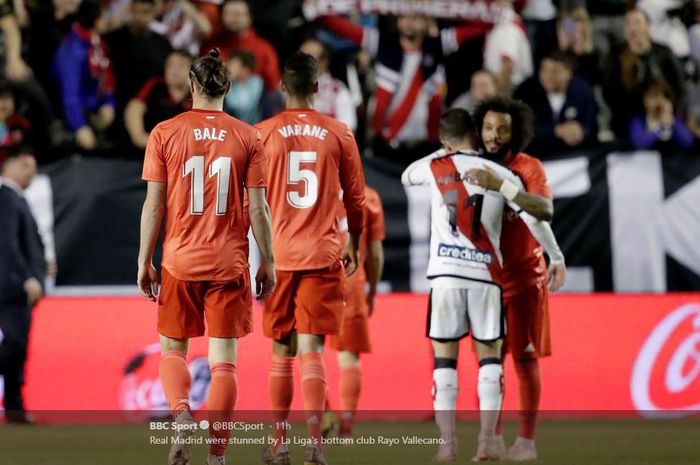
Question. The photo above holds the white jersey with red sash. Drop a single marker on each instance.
(466, 219)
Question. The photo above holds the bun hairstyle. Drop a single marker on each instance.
(210, 75)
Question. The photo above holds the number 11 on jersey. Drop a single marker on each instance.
(221, 168)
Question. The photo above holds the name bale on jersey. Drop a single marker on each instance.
(209, 134)
(464, 253)
(301, 130)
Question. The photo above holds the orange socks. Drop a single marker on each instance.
(530, 388)
(313, 389)
(220, 403)
(350, 386)
(281, 385)
(175, 378)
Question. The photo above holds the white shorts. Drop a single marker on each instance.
(454, 312)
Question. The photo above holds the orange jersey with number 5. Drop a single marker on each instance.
(206, 159)
(310, 158)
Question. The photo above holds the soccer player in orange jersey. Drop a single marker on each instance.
(310, 158)
(504, 126)
(197, 166)
(359, 305)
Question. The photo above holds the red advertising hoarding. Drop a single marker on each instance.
(612, 353)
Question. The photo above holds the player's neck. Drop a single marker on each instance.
(299, 103)
(199, 103)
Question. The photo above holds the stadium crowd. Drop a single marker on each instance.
(94, 77)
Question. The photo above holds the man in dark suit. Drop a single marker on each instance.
(564, 106)
(22, 271)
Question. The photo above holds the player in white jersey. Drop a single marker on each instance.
(465, 271)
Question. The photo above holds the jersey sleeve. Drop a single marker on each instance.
(255, 176)
(154, 168)
(535, 179)
(352, 181)
(375, 221)
(418, 172)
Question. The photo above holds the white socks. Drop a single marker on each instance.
(445, 388)
(490, 396)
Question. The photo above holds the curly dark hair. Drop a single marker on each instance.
(521, 117)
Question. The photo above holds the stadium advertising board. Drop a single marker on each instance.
(613, 356)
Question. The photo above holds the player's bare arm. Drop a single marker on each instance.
(350, 256)
(262, 230)
(374, 265)
(151, 218)
(538, 206)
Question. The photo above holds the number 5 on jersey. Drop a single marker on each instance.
(221, 167)
(296, 175)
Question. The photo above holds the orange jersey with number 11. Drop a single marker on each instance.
(310, 158)
(206, 159)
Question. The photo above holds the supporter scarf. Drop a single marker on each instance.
(98, 60)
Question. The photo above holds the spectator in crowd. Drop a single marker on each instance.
(666, 27)
(575, 37)
(50, 22)
(507, 52)
(182, 23)
(160, 98)
(18, 73)
(640, 61)
(483, 86)
(14, 129)
(244, 98)
(237, 33)
(563, 103)
(659, 128)
(137, 53)
(83, 72)
(608, 25)
(540, 18)
(21, 277)
(333, 97)
(405, 123)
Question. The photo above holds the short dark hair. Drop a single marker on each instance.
(210, 74)
(521, 118)
(300, 74)
(660, 86)
(89, 12)
(456, 124)
(247, 58)
(15, 151)
(559, 56)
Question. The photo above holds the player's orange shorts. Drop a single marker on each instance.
(310, 301)
(354, 333)
(527, 323)
(183, 306)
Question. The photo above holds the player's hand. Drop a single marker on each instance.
(34, 291)
(556, 276)
(484, 177)
(265, 281)
(148, 281)
(349, 258)
(370, 302)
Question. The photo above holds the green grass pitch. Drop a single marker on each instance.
(560, 442)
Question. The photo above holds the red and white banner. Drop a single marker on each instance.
(612, 354)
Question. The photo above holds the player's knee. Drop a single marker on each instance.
(310, 343)
(222, 350)
(446, 349)
(167, 344)
(348, 359)
(491, 349)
